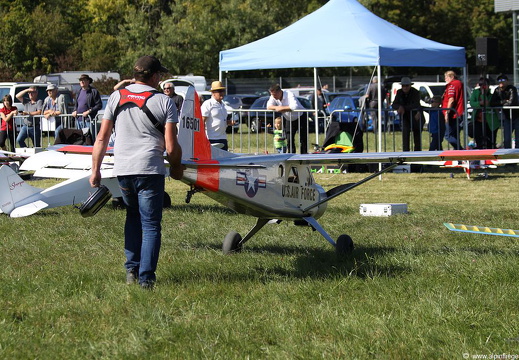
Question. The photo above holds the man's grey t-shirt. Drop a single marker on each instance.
(139, 147)
(29, 107)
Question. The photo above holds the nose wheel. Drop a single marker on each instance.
(344, 245)
(231, 243)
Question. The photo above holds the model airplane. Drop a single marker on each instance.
(277, 187)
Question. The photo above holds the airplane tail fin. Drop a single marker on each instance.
(191, 133)
(13, 189)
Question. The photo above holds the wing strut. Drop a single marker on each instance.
(338, 190)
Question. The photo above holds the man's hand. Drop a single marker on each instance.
(95, 179)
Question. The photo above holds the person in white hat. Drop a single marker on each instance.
(53, 107)
(407, 104)
(214, 114)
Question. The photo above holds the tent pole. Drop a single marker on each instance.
(316, 108)
(379, 112)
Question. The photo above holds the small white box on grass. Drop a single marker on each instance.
(382, 209)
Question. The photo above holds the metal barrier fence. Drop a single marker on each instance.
(42, 130)
(253, 132)
(398, 134)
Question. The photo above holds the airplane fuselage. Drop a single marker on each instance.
(266, 187)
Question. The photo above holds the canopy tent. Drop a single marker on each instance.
(354, 37)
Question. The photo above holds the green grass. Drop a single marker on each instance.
(411, 290)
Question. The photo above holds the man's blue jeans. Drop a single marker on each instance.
(510, 126)
(32, 132)
(144, 197)
(452, 133)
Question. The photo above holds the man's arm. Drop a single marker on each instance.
(98, 153)
(173, 151)
(20, 95)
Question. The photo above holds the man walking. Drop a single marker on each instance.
(144, 130)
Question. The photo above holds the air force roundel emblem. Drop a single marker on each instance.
(251, 181)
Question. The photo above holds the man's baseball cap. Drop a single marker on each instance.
(149, 65)
(502, 77)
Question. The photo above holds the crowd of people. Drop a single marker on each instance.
(445, 114)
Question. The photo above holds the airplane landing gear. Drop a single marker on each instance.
(344, 245)
(231, 243)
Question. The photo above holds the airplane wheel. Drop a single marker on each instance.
(231, 243)
(344, 245)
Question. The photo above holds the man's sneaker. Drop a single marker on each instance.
(147, 285)
(132, 276)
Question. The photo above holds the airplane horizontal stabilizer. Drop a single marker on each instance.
(481, 230)
(28, 209)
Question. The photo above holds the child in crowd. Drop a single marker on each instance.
(280, 140)
(436, 124)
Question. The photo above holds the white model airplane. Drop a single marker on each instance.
(272, 188)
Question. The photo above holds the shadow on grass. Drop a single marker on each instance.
(297, 262)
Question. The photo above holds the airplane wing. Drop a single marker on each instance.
(7, 156)
(404, 157)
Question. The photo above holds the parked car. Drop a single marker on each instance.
(240, 101)
(350, 107)
(258, 121)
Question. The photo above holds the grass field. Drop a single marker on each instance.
(411, 289)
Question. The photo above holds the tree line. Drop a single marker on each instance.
(187, 35)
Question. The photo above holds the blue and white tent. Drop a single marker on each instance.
(354, 37)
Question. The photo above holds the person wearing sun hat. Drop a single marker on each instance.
(506, 95)
(53, 107)
(214, 114)
(407, 104)
(88, 103)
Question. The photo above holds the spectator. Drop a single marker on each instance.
(372, 101)
(454, 107)
(280, 140)
(139, 166)
(484, 125)
(436, 125)
(88, 103)
(285, 102)
(7, 114)
(214, 114)
(31, 124)
(506, 95)
(321, 102)
(53, 107)
(407, 104)
(169, 89)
